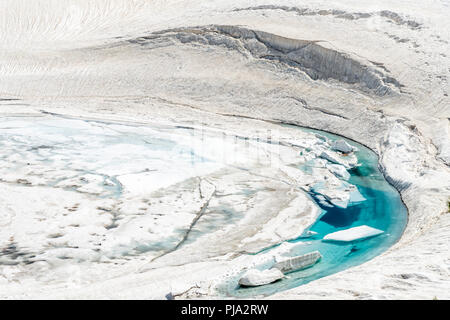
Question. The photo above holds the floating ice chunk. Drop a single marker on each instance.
(356, 196)
(337, 195)
(206, 189)
(342, 146)
(330, 157)
(283, 250)
(348, 161)
(339, 171)
(255, 277)
(337, 198)
(323, 201)
(298, 263)
(352, 234)
(321, 137)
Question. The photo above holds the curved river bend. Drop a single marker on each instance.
(102, 157)
(383, 209)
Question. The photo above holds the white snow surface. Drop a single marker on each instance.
(384, 84)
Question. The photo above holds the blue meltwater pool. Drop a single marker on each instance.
(382, 209)
(148, 175)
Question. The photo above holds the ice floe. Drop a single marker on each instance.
(255, 277)
(353, 234)
(339, 171)
(342, 146)
(297, 263)
(348, 161)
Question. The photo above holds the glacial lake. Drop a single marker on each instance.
(99, 158)
(383, 209)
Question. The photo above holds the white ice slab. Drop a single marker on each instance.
(348, 161)
(352, 234)
(339, 171)
(255, 277)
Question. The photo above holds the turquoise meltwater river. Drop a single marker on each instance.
(383, 209)
(130, 162)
